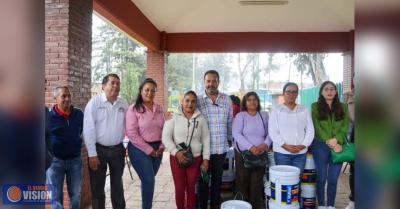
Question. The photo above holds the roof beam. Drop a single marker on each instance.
(125, 15)
(290, 42)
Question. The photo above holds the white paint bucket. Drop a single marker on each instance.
(235, 204)
(309, 172)
(284, 187)
(308, 196)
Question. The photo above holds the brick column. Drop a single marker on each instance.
(157, 69)
(348, 71)
(68, 42)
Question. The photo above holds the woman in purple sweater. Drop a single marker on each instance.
(250, 132)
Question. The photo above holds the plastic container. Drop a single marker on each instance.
(309, 173)
(235, 204)
(284, 187)
(308, 196)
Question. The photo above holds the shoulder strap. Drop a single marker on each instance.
(265, 130)
(191, 136)
(173, 125)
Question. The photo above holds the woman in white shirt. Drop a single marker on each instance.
(290, 129)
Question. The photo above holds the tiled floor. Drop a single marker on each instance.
(164, 192)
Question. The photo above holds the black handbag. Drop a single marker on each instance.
(187, 151)
(254, 161)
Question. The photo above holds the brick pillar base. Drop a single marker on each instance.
(68, 43)
(157, 69)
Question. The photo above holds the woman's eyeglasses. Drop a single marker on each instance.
(292, 92)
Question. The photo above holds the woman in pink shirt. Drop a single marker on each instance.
(144, 124)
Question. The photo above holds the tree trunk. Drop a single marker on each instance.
(242, 74)
(269, 79)
(301, 79)
(290, 67)
(255, 72)
(241, 89)
(318, 68)
(258, 72)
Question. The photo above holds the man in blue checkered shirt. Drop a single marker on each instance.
(216, 108)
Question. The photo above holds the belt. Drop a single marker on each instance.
(151, 143)
(109, 147)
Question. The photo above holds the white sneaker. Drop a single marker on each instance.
(321, 207)
(350, 205)
(331, 207)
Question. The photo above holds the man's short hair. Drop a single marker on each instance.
(211, 72)
(57, 89)
(107, 78)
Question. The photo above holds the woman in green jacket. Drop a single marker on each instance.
(331, 124)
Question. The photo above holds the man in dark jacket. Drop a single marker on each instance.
(65, 130)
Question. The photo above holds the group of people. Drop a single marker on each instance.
(197, 136)
(290, 132)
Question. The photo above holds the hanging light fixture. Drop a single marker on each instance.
(263, 2)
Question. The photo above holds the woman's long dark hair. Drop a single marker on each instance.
(323, 108)
(139, 99)
(246, 97)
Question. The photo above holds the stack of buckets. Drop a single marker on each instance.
(308, 184)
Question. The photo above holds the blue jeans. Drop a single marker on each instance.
(326, 171)
(72, 170)
(298, 160)
(146, 167)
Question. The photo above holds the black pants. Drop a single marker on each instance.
(216, 167)
(249, 182)
(114, 157)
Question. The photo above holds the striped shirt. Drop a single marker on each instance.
(219, 116)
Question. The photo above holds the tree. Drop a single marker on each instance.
(130, 82)
(271, 67)
(245, 64)
(317, 63)
(255, 72)
(114, 52)
(301, 62)
(212, 61)
(311, 64)
(179, 74)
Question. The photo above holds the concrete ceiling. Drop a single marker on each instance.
(182, 16)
